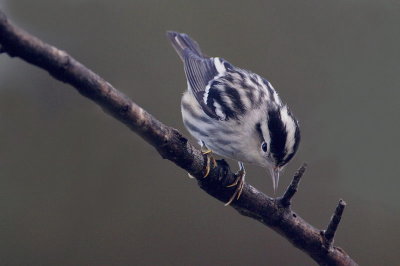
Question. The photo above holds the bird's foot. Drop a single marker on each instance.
(210, 160)
(239, 183)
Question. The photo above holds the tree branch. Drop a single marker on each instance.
(172, 145)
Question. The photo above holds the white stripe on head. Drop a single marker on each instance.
(290, 126)
(266, 133)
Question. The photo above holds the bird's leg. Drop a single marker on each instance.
(239, 183)
(204, 148)
(210, 160)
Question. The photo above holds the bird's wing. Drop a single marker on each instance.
(206, 78)
(200, 74)
(216, 85)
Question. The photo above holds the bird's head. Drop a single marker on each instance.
(278, 140)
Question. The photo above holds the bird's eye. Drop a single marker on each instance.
(264, 147)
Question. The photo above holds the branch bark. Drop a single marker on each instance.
(172, 145)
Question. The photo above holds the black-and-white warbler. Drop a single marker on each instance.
(235, 113)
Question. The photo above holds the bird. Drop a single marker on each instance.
(234, 113)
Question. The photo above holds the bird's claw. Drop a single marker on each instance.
(210, 160)
(239, 183)
(206, 151)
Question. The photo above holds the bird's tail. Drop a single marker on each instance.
(181, 42)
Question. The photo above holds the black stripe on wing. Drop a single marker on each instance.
(199, 73)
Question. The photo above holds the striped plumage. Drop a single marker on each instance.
(234, 112)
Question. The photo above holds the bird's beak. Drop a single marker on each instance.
(275, 177)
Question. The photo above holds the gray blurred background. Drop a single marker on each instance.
(78, 188)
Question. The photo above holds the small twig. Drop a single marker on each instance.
(292, 188)
(330, 231)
